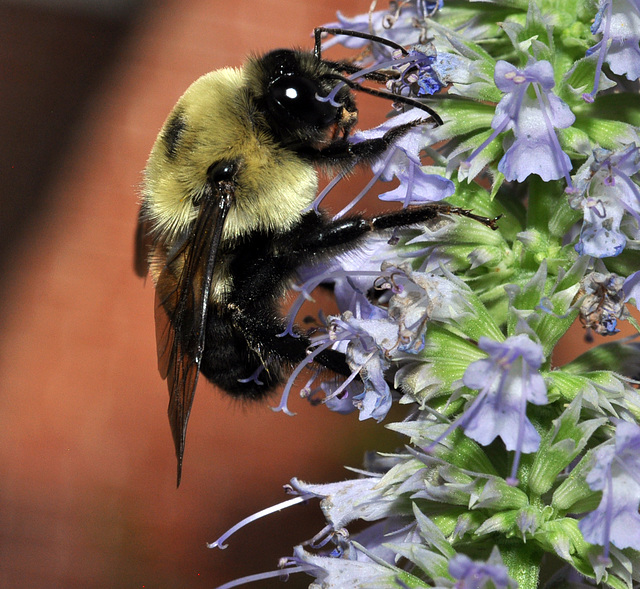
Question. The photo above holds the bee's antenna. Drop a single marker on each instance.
(317, 33)
(388, 95)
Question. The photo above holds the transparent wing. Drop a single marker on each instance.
(182, 297)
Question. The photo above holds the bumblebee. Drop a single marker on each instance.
(225, 219)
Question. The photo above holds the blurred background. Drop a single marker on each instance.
(87, 465)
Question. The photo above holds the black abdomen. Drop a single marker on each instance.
(231, 364)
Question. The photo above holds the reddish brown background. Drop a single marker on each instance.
(87, 467)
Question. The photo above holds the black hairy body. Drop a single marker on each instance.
(244, 336)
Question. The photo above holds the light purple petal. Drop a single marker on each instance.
(424, 188)
(541, 72)
(615, 473)
(533, 156)
(632, 288)
(600, 235)
(503, 75)
(559, 112)
(507, 380)
(479, 574)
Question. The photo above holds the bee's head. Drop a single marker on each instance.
(298, 95)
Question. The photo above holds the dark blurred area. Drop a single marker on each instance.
(52, 56)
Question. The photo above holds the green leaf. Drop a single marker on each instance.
(560, 445)
(503, 522)
(574, 494)
(610, 134)
(432, 564)
(432, 534)
(498, 495)
(563, 537)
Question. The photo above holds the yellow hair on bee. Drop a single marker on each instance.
(213, 121)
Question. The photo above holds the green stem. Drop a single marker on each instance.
(523, 562)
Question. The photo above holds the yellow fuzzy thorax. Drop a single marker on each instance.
(274, 185)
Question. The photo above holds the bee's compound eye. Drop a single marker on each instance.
(297, 96)
(224, 170)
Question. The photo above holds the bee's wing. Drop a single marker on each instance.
(182, 296)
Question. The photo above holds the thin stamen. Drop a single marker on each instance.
(270, 575)
(220, 542)
(371, 182)
(348, 381)
(508, 116)
(603, 52)
(513, 480)
(282, 406)
(316, 203)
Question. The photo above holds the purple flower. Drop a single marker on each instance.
(365, 356)
(354, 273)
(364, 341)
(420, 297)
(349, 500)
(631, 288)
(615, 472)
(403, 162)
(534, 148)
(420, 77)
(416, 186)
(480, 575)
(401, 24)
(604, 191)
(603, 303)
(507, 380)
(373, 336)
(369, 22)
(618, 21)
(336, 573)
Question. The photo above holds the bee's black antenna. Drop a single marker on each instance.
(317, 33)
(388, 95)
